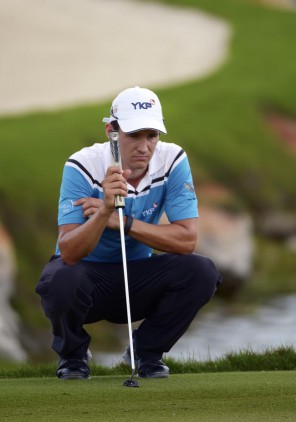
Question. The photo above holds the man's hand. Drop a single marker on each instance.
(91, 205)
(114, 184)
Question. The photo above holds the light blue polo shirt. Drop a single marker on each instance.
(167, 187)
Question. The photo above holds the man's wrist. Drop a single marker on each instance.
(105, 212)
(128, 224)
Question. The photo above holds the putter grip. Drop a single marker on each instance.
(114, 143)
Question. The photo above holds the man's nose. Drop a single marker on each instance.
(142, 143)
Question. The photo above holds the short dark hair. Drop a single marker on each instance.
(115, 125)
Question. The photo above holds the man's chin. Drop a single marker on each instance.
(139, 165)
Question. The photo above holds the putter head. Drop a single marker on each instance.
(131, 383)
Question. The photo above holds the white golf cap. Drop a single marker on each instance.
(136, 109)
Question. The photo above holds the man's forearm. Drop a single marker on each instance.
(179, 237)
(77, 243)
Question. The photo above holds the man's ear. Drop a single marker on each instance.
(108, 129)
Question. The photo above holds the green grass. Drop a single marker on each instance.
(219, 120)
(268, 396)
(246, 386)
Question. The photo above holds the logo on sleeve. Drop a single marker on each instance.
(189, 186)
(67, 206)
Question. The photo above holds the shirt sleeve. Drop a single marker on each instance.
(181, 201)
(74, 186)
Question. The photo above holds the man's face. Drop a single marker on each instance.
(137, 148)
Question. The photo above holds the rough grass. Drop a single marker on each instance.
(274, 359)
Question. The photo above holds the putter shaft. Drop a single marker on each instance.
(120, 204)
(126, 289)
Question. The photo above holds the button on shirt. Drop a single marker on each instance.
(166, 187)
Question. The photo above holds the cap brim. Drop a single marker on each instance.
(135, 125)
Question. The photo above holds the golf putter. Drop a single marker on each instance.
(120, 204)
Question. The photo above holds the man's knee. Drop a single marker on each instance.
(206, 266)
(58, 287)
(203, 272)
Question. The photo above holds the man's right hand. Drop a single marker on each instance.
(114, 184)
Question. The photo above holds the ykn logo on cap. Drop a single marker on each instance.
(144, 105)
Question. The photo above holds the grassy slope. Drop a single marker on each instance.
(206, 397)
(226, 109)
(218, 121)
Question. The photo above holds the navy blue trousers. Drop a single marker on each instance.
(166, 292)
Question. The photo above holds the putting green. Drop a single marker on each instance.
(239, 396)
